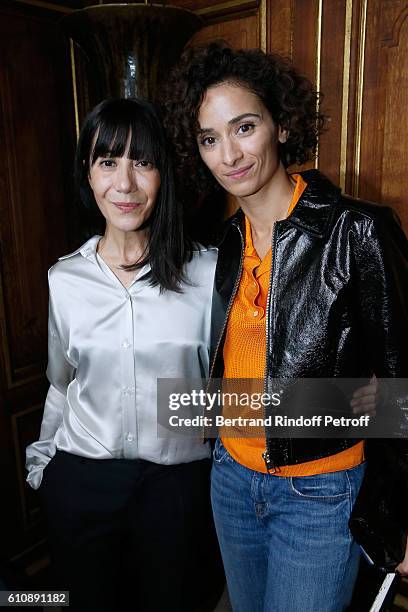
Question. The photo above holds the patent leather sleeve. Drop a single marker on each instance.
(382, 259)
(59, 373)
(383, 303)
(383, 277)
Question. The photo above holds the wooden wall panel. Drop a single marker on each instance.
(23, 330)
(32, 222)
(356, 53)
(239, 33)
(334, 67)
(384, 122)
(279, 35)
(305, 34)
(395, 89)
(37, 140)
(241, 23)
(216, 10)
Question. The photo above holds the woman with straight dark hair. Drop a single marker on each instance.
(128, 512)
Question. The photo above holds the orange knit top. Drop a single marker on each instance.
(245, 357)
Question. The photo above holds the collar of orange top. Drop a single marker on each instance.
(251, 257)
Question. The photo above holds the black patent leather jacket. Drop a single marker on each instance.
(337, 304)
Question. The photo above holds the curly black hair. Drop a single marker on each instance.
(289, 97)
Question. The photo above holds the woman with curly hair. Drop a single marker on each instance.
(308, 285)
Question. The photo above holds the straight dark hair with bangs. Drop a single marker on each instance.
(105, 133)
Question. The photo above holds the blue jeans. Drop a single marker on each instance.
(285, 542)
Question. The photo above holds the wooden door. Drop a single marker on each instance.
(37, 142)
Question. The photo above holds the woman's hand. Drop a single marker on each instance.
(402, 568)
(365, 399)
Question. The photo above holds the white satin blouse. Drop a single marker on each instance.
(107, 345)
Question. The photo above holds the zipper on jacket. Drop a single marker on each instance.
(231, 300)
(271, 467)
(233, 294)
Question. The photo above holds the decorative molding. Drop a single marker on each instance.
(6, 105)
(348, 19)
(318, 66)
(74, 87)
(14, 377)
(392, 39)
(6, 352)
(225, 6)
(46, 5)
(263, 20)
(28, 550)
(359, 96)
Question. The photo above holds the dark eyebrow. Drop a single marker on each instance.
(230, 122)
(243, 116)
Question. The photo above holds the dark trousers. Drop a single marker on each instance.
(131, 534)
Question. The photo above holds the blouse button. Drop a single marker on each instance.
(255, 313)
(130, 438)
